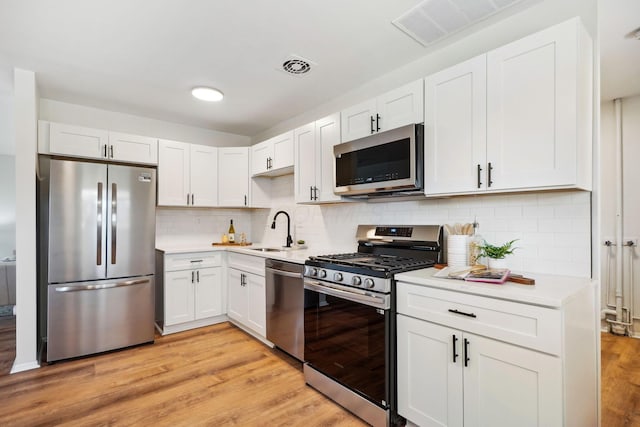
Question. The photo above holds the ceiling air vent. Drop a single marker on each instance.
(433, 20)
(296, 65)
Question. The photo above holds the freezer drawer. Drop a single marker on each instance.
(91, 317)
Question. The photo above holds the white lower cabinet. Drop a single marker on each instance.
(190, 290)
(467, 359)
(247, 294)
(447, 377)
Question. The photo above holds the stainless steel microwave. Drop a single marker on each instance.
(380, 164)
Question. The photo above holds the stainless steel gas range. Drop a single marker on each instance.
(349, 317)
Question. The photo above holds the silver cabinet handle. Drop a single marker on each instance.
(114, 221)
(99, 226)
(101, 286)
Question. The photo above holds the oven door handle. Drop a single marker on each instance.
(370, 300)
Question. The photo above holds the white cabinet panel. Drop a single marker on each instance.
(233, 173)
(305, 163)
(257, 303)
(203, 175)
(358, 121)
(261, 156)
(237, 304)
(208, 293)
(77, 141)
(274, 156)
(455, 128)
(133, 148)
(178, 293)
(282, 151)
(173, 173)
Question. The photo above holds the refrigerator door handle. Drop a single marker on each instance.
(99, 245)
(114, 221)
(101, 286)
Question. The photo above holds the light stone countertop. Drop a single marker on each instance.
(293, 255)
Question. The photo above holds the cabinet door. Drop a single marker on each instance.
(506, 385)
(531, 117)
(133, 148)
(178, 297)
(77, 141)
(237, 295)
(257, 303)
(358, 121)
(429, 381)
(327, 136)
(400, 107)
(305, 163)
(208, 292)
(282, 151)
(261, 157)
(455, 129)
(204, 175)
(233, 176)
(173, 173)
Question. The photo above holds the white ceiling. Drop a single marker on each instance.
(142, 57)
(619, 55)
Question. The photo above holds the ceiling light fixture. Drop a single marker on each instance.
(207, 94)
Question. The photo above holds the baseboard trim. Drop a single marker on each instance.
(27, 366)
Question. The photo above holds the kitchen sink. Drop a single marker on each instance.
(267, 249)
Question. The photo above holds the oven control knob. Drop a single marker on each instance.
(313, 271)
(356, 281)
(322, 274)
(368, 283)
(337, 277)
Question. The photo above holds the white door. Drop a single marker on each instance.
(327, 136)
(233, 176)
(257, 303)
(531, 115)
(208, 292)
(429, 381)
(282, 151)
(133, 148)
(305, 163)
(78, 141)
(506, 386)
(400, 107)
(358, 121)
(237, 295)
(261, 157)
(204, 175)
(455, 128)
(178, 297)
(173, 173)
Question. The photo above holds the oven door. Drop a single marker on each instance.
(347, 338)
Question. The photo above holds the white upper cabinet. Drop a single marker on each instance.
(455, 128)
(314, 180)
(539, 110)
(133, 148)
(520, 122)
(78, 141)
(187, 174)
(274, 156)
(391, 110)
(233, 173)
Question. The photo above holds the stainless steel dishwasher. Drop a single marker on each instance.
(285, 306)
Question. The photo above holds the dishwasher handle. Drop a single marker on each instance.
(284, 273)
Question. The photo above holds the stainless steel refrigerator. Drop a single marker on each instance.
(97, 237)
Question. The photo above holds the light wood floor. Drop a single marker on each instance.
(220, 376)
(211, 376)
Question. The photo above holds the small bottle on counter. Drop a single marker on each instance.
(232, 233)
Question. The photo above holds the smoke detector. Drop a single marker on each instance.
(296, 65)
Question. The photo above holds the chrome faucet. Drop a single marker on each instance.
(273, 226)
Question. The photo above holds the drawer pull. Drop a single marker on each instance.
(196, 260)
(462, 313)
(455, 355)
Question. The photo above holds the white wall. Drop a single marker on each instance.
(553, 228)
(631, 202)
(26, 115)
(63, 112)
(7, 205)
(541, 15)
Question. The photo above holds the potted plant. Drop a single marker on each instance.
(496, 254)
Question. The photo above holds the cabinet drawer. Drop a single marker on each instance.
(190, 260)
(520, 324)
(247, 263)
